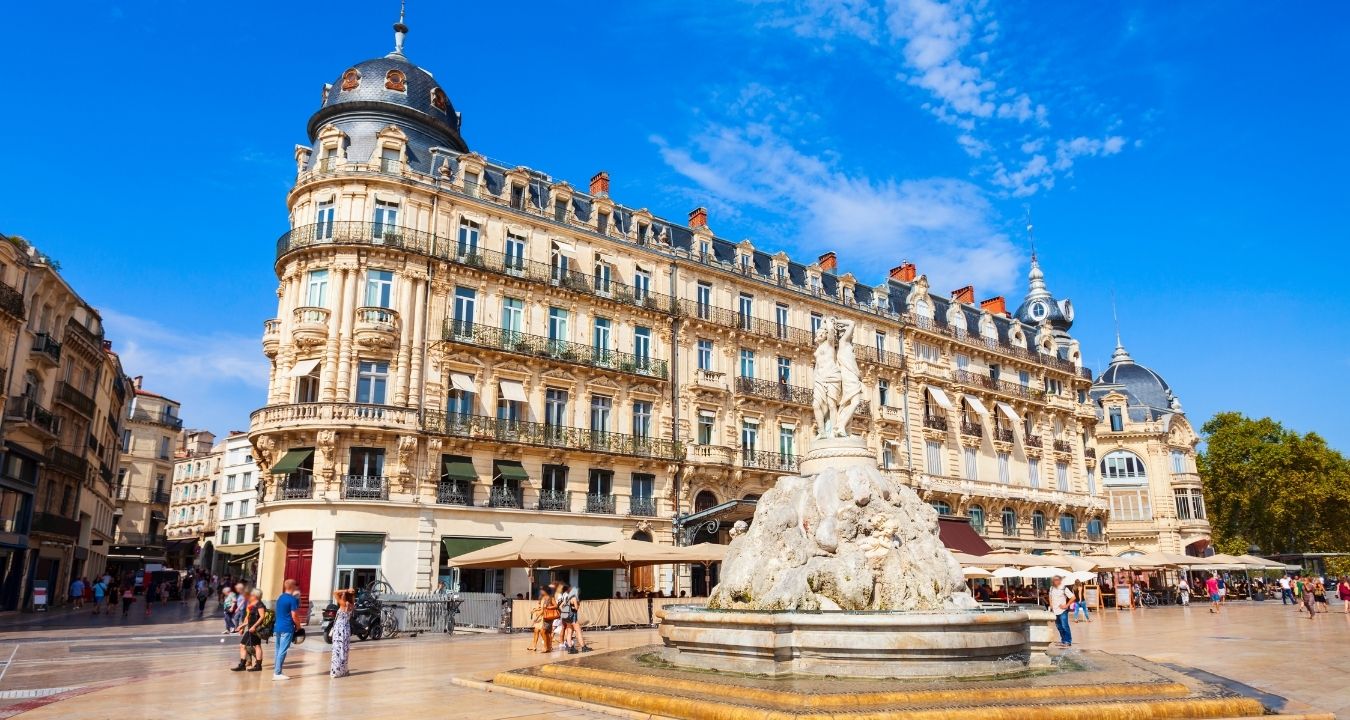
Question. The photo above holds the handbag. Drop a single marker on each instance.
(550, 613)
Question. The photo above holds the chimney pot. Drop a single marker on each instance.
(829, 262)
(995, 305)
(965, 295)
(904, 272)
(136, 381)
(698, 218)
(600, 184)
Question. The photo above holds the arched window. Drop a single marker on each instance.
(1068, 524)
(1009, 521)
(1094, 529)
(704, 500)
(976, 513)
(1038, 523)
(942, 507)
(1122, 467)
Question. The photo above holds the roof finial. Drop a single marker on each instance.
(1031, 234)
(400, 30)
(1120, 355)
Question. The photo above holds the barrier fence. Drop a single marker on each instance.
(414, 613)
(606, 613)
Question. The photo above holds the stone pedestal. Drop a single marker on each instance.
(838, 453)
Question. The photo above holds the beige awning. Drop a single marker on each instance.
(529, 551)
(565, 247)
(1009, 413)
(977, 406)
(939, 397)
(513, 390)
(463, 382)
(303, 368)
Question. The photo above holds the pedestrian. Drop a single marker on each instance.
(1212, 587)
(544, 613)
(287, 609)
(1310, 597)
(250, 643)
(227, 609)
(100, 597)
(203, 592)
(1184, 591)
(1286, 594)
(151, 595)
(1223, 590)
(77, 593)
(342, 633)
(1060, 598)
(567, 611)
(1320, 595)
(1080, 607)
(1343, 592)
(128, 597)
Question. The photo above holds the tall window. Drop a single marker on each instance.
(705, 354)
(386, 218)
(972, 463)
(1117, 423)
(816, 321)
(307, 387)
(784, 369)
(1004, 473)
(559, 264)
(642, 347)
(1009, 521)
(642, 284)
(642, 419)
(703, 299)
(745, 310)
(557, 324)
(1092, 481)
(749, 436)
(364, 462)
(555, 407)
(601, 408)
(555, 479)
(1038, 523)
(1068, 524)
(466, 299)
(1122, 465)
(787, 441)
(372, 380)
(600, 337)
(1034, 472)
(1183, 500)
(603, 275)
(942, 507)
(1178, 461)
(467, 247)
(379, 288)
(390, 160)
(323, 218)
(747, 363)
(643, 484)
(883, 392)
(460, 402)
(316, 292)
(508, 410)
(881, 344)
(976, 513)
(887, 454)
(515, 253)
(705, 428)
(1062, 476)
(513, 315)
(933, 455)
(780, 316)
(601, 483)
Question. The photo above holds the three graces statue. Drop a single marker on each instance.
(837, 390)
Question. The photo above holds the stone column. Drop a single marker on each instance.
(345, 311)
(406, 313)
(328, 391)
(420, 307)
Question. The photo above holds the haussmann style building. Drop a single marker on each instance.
(466, 352)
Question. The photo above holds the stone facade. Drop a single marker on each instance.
(193, 497)
(144, 480)
(234, 548)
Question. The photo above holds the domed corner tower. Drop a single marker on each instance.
(1040, 306)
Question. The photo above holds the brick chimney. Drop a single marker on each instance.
(965, 295)
(829, 262)
(995, 305)
(698, 218)
(136, 381)
(107, 346)
(904, 272)
(600, 184)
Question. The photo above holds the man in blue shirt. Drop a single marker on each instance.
(287, 609)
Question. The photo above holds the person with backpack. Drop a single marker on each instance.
(250, 633)
(100, 596)
(287, 610)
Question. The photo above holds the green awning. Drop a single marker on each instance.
(456, 546)
(292, 461)
(512, 470)
(458, 467)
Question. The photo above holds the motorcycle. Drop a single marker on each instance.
(329, 617)
(365, 618)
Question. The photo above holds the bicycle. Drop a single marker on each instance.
(1148, 599)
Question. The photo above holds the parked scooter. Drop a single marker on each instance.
(365, 618)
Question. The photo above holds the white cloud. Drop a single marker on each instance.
(828, 19)
(218, 377)
(944, 225)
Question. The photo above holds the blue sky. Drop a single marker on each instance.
(1187, 157)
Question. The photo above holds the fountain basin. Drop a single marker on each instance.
(856, 644)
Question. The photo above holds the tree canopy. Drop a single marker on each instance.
(1269, 486)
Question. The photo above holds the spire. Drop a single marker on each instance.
(1120, 356)
(400, 31)
(1035, 277)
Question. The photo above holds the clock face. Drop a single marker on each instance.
(1038, 310)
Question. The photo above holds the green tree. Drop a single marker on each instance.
(1269, 486)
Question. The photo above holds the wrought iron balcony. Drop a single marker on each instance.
(600, 503)
(11, 301)
(561, 350)
(454, 493)
(935, 422)
(973, 429)
(54, 524)
(365, 487)
(26, 409)
(642, 506)
(939, 326)
(744, 322)
(867, 353)
(1067, 534)
(160, 497)
(483, 427)
(770, 390)
(1094, 536)
(450, 250)
(140, 539)
(1063, 446)
(554, 500)
(47, 348)
(1033, 441)
(506, 496)
(769, 460)
(1011, 531)
(1040, 532)
(68, 462)
(1004, 434)
(296, 486)
(158, 418)
(1090, 453)
(81, 403)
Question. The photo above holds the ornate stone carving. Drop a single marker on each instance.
(394, 80)
(438, 100)
(407, 448)
(351, 79)
(263, 448)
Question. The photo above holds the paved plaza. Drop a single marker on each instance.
(173, 665)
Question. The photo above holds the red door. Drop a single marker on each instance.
(299, 558)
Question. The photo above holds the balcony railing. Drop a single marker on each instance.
(140, 539)
(506, 496)
(46, 346)
(771, 390)
(311, 316)
(867, 353)
(1063, 446)
(769, 460)
(11, 301)
(642, 506)
(935, 422)
(55, 524)
(161, 497)
(600, 503)
(744, 322)
(1032, 441)
(1067, 534)
(1004, 435)
(383, 235)
(973, 429)
(158, 418)
(939, 326)
(365, 487)
(295, 486)
(1094, 536)
(68, 394)
(482, 427)
(1040, 533)
(353, 414)
(68, 462)
(377, 318)
(561, 350)
(454, 493)
(22, 407)
(1090, 453)
(709, 454)
(554, 500)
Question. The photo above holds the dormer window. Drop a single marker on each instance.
(602, 222)
(704, 250)
(391, 160)
(471, 183)
(559, 210)
(517, 197)
(1117, 420)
